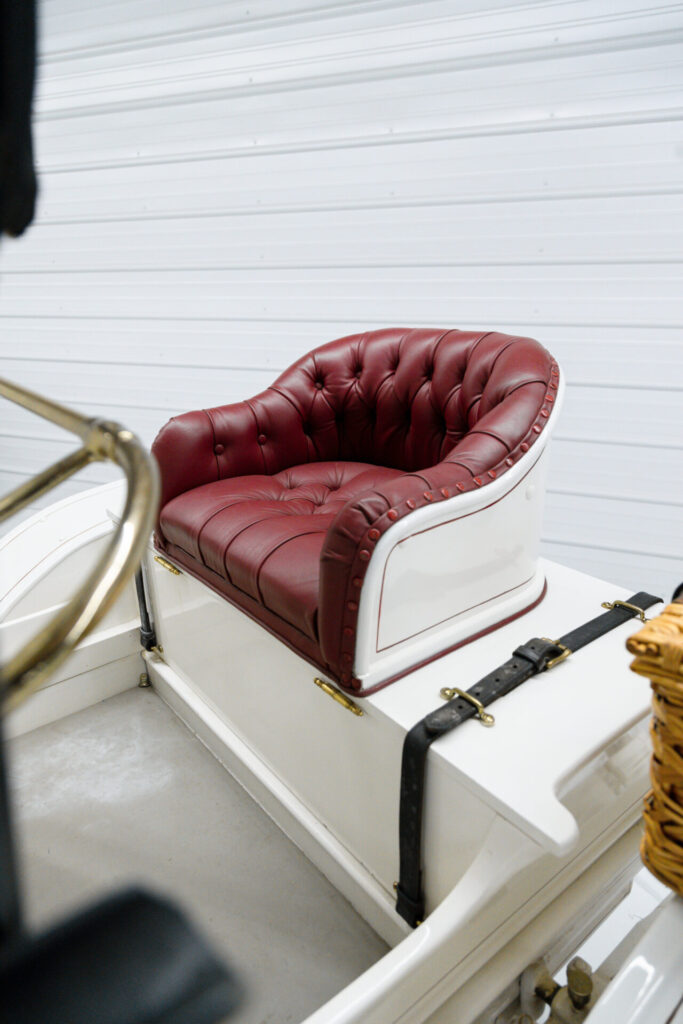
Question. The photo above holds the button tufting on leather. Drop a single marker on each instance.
(373, 534)
(319, 385)
(262, 439)
(219, 449)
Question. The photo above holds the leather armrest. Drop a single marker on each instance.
(262, 435)
(481, 456)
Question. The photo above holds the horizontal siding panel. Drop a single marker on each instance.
(633, 294)
(592, 469)
(404, 78)
(533, 167)
(501, 25)
(612, 524)
(609, 357)
(190, 129)
(401, 237)
(634, 571)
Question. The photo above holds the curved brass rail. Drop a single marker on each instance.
(102, 440)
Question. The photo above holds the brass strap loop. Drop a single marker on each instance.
(449, 692)
(609, 605)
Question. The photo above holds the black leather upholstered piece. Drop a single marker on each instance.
(132, 959)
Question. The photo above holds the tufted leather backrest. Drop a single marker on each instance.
(406, 398)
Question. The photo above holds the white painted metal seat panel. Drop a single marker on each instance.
(561, 720)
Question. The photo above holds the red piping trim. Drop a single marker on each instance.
(448, 650)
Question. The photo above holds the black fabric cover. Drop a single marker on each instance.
(132, 959)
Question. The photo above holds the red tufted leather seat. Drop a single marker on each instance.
(277, 502)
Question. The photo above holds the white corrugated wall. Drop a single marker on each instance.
(226, 186)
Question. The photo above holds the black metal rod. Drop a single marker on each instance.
(10, 902)
(148, 637)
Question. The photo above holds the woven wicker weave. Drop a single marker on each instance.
(659, 656)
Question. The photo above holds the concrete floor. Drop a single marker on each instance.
(123, 792)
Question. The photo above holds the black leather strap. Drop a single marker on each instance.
(527, 660)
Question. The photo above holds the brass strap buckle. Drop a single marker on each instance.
(640, 614)
(560, 657)
(449, 692)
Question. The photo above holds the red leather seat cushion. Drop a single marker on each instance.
(263, 534)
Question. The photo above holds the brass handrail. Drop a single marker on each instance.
(37, 660)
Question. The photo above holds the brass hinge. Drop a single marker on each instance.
(165, 564)
(337, 695)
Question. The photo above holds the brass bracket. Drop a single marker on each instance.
(640, 614)
(340, 697)
(165, 564)
(449, 692)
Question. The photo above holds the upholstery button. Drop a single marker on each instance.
(509, 461)
(348, 631)
(545, 414)
(550, 398)
(262, 439)
(364, 555)
(373, 534)
(446, 493)
(537, 428)
(460, 485)
(524, 446)
(319, 385)
(410, 503)
(352, 606)
(357, 581)
(392, 514)
(428, 496)
(492, 474)
(219, 449)
(478, 481)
